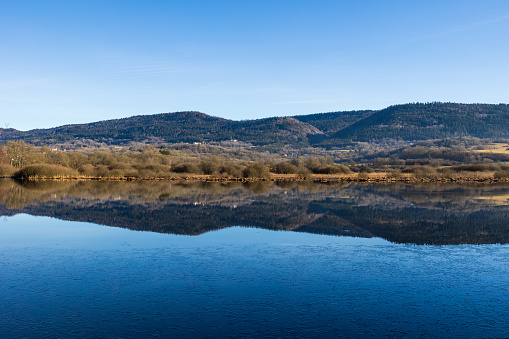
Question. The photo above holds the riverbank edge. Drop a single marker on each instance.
(372, 177)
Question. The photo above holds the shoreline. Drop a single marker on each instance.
(372, 177)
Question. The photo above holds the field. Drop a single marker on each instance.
(497, 147)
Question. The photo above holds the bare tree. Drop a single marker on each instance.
(3, 156)
(20, 154)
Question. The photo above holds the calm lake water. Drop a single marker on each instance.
(209, 260)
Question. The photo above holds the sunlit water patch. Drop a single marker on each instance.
(70, 279)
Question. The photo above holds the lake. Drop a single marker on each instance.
(194, 259)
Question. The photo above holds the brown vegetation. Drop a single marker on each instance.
(6, 170)
(23, 161)
(45, 171)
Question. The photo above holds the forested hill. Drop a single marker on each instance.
(405, 122)
(332, 122)
(430, 121)
(188, 127)
(173, 128)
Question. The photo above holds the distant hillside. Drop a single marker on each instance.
(430, 121)
(178, 127)
(332, 122)
(403, 122)
(173, 128)
(169, 127)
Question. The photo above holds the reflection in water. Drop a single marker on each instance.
(422, 214)
(65, 279)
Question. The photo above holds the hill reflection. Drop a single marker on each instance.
(436, 214)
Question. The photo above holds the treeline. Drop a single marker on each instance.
(441, 156)
(442, 159)
(442, 152)
(22, 160)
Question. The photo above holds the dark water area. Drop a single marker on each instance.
(144, 259)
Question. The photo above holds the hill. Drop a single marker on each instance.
(178, 127)
(409, 122)
(332, 122)
(430, 121)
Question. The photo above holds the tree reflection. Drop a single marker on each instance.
(420, 214)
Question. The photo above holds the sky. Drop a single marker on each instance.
(67, 62)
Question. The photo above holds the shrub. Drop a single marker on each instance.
(421, 171)
(186, 168)
(501, 174)
(86, 169)
(303, 172)
(117, 166)
(231, 171)
(366, 169)
(314, 163)
(332, 169)
(40, 171)
(6, 170)
(76, 160)
(101, 171)
(363, 176)
(116, 173)
(256, 170)
(285, 168)
(208, 167)
(146, 173)
(101, 158)
(156, 168)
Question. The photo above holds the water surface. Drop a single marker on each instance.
(299, 272)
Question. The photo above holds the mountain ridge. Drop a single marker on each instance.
(411, 122)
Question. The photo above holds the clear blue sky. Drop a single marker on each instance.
(64, 62)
